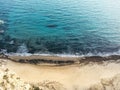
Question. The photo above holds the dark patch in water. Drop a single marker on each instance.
(52, 26)
(5, 43)
(8, 47)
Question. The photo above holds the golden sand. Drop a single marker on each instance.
(72, 77)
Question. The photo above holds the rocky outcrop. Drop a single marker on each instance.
(49, 85)
(10, 81)
(108, 84)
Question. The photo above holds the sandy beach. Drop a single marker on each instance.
(59, 44)
(90, 76)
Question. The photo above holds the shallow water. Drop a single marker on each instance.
(60, 27)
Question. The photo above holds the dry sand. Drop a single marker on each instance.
(92, 76)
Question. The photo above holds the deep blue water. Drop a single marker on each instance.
(60, 26)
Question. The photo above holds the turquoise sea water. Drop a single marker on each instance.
(60, 26)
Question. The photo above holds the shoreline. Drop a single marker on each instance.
(61, 61)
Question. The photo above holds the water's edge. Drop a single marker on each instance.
(61, 61)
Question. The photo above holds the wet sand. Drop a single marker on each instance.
(50, 60)
(57, 60)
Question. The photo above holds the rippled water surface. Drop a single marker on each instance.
(60, 26)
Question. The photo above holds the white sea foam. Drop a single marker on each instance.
(2, 31)
(2, 22)
(21, 52)
(4, 51)
(22, 49)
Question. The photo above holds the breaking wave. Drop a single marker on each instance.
(1, 22)
(23, 51)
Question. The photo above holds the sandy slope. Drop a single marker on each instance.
(73, 77)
